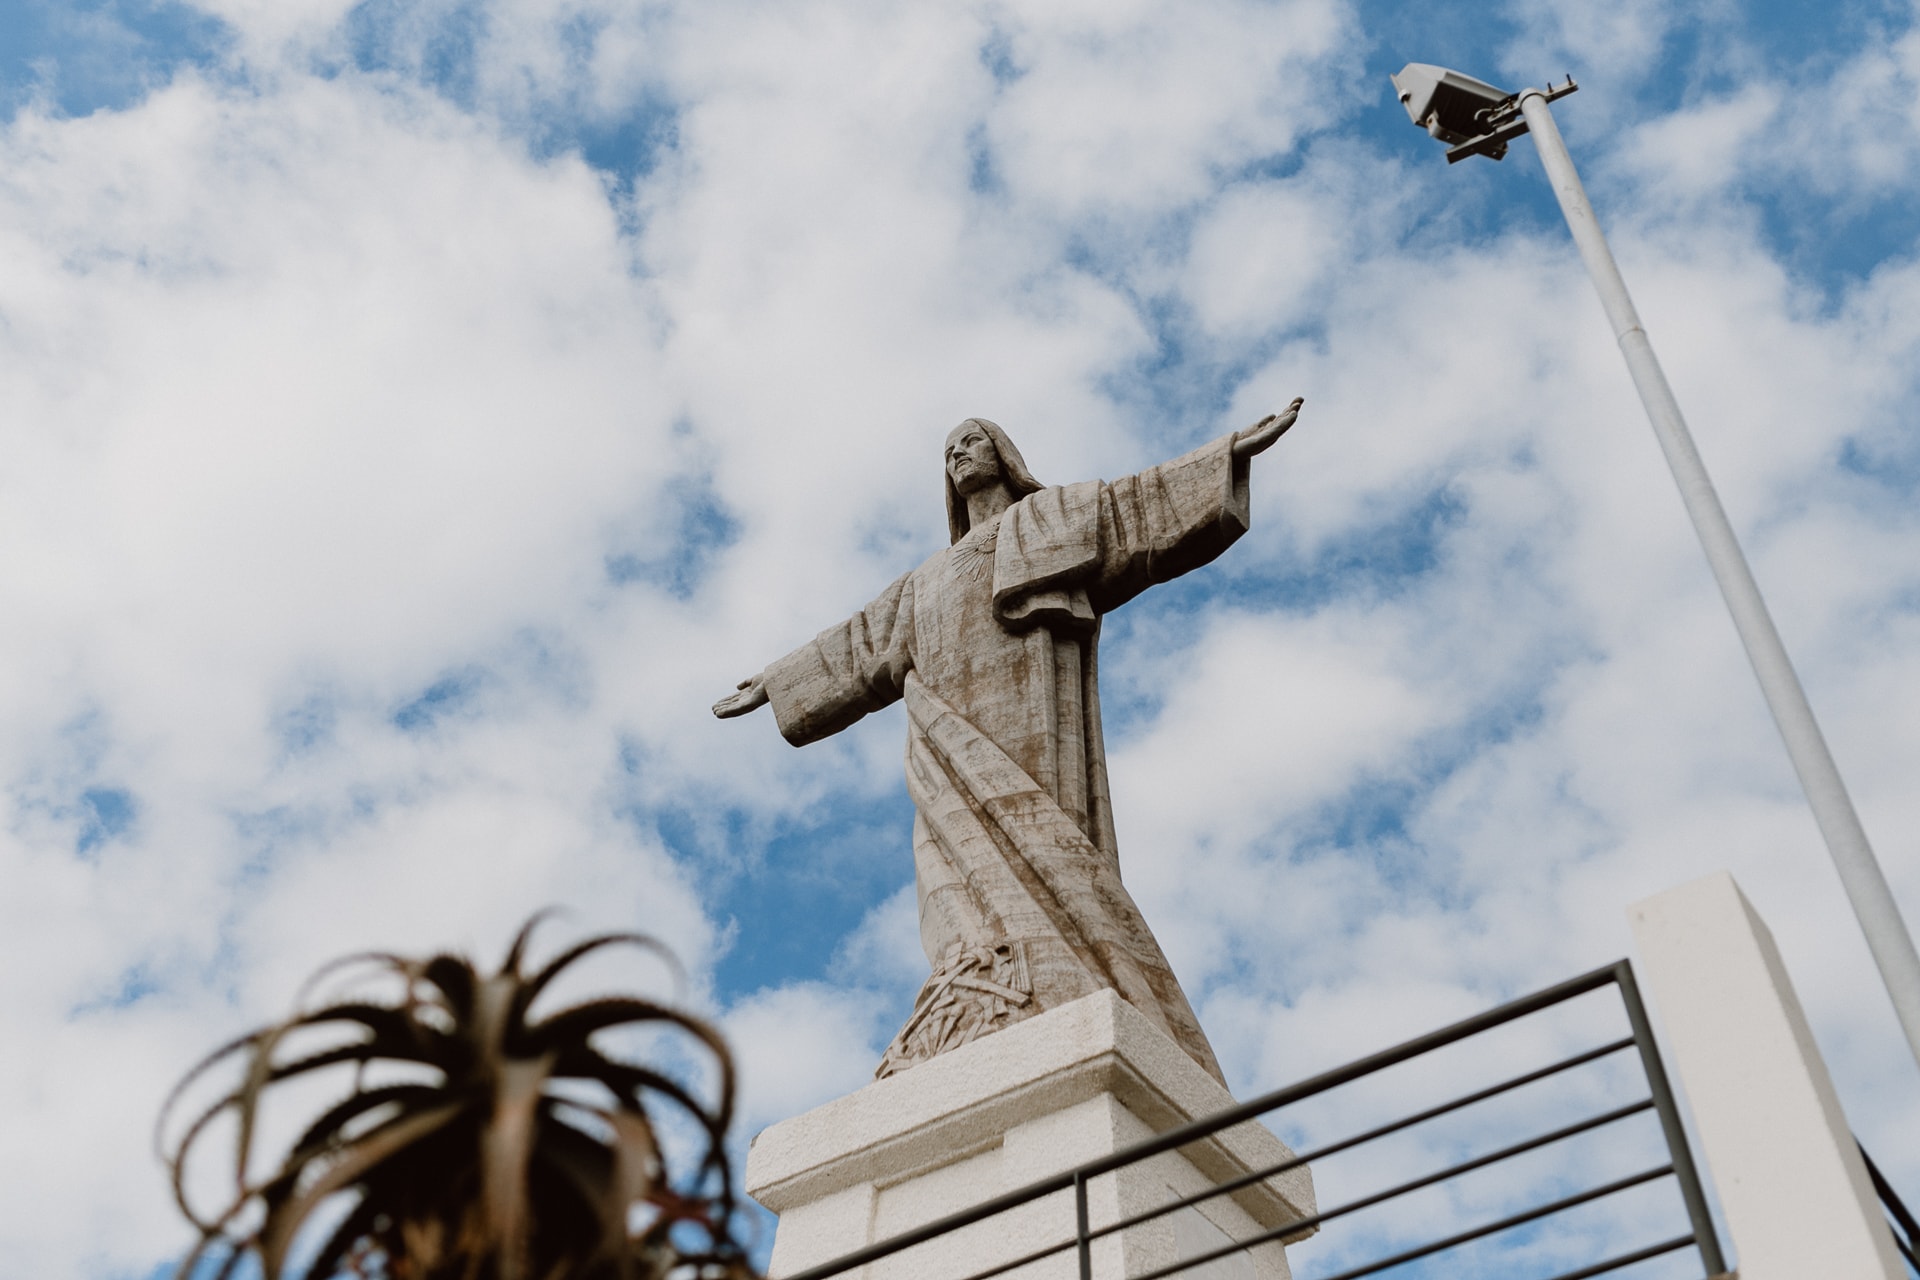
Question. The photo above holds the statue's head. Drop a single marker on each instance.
(978, 455)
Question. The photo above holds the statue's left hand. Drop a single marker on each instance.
(750, 694)
(1264, 432)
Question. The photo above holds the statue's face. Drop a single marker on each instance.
(972, 461)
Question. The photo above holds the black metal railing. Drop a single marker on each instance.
(1906, 1232)
(1678, 1164)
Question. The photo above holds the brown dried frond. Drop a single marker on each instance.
(497, 1169)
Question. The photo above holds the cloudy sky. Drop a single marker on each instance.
(417, 414)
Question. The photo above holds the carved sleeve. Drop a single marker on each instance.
(849, 669)
(1169, 519)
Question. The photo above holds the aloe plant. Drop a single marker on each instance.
(499, 1147)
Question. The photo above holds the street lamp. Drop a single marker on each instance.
(1475, 118)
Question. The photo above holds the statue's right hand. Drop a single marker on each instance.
(752, 692)
(1257, 437)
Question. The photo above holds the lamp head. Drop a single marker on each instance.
(1447, 104)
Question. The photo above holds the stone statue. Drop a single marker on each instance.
(992, 644)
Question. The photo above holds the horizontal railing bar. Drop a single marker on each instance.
(1226, 1188)
(1906, 1252)
(1894, 1205)
(1545, 998)
(1478, 1162)
(1378, 1197)
(938, 1227)
(1900, 1244)
(1025, 1259)
(1261, 1175)
(1592, 1122)
(1494, 1228)
(1466, 1027)
(1628, 1259)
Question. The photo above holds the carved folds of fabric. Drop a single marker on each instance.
(977, 990)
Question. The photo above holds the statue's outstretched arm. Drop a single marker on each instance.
(853, 667)
(750, 693)
(1264, 432)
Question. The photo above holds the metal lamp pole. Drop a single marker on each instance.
(1866, 885)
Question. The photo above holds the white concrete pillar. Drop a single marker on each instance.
(1777, 1146)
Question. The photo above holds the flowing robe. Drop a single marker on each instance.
(992, 644)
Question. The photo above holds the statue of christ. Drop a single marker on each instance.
(992, 643)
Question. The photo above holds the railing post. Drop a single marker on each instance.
(1704, 1237)
(1081, 1238)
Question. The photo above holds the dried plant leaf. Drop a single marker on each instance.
(506, 1150)
(285, 1221)
(474, 1174)
(539, 981)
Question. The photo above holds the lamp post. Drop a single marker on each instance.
(1478, 119)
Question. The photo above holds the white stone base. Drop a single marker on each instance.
(1055, 1091)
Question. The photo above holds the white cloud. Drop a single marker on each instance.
(326, 392)
(1258, 256)
(799, 1046)
(885, 950)
(1617, 42)
(1099, 113)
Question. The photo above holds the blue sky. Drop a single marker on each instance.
(419, 413)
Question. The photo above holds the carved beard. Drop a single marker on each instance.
(1013, 471)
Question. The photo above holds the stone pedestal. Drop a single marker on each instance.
(1041, 1097)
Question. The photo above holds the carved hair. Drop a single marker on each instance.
(1012, 466)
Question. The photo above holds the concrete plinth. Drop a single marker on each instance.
(1041, 1097)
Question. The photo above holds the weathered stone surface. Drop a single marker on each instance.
(993, 645)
